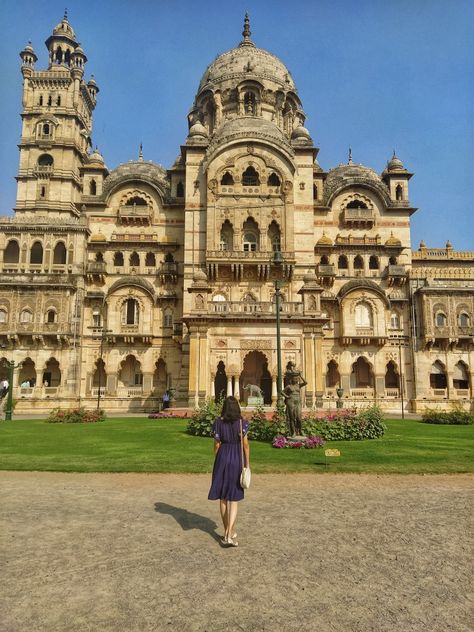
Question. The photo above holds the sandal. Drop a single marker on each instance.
(232, 542)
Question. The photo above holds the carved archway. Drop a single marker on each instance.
(255, 371)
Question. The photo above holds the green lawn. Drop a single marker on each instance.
(159, 445)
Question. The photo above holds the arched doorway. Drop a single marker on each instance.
(52, 373)
(99, 377)
(256, 372)
(333, 378)
(362, 376)
(27, 373)
(391, 376)
(160, 377)
(220, 382)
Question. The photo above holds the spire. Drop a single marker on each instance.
(246, 32)
(349, 162)
(65, 15)
(140, 155)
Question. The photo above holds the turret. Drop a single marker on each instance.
(61, 44)
(28, 60)
(396, 178)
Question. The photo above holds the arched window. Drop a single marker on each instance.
(92, 187)
(3, 316)
(169, 258)
(333, 377)
(136, 201)
(96, 317)
(363, 315)
(250, 104)
(46, 129)
(130, 312)
(226, 236)
(59, 55)
(45, 160)
(274, 237)
(324, 261)
(342, 263)
(399, 192)
(250, 303)
(315, 191)
(51, 316)
(251, 235)
(12, 252)
(460, 376)
(40, 102)
(220, 302)
(227, 179)
(392, 261)
(36, 253)
(58, 101)
(273, 180)
(50, 100)
(358, 263)
(180, 190)
(168, 318)
(99, 257)
(118, 259)
(42, 191)
(250, 178)
(26, 316)
(391, 375)
(67, 57)
(373, 263)
(394, 320)
(150, 260)
(357, 204)
(464, 320)
(134, 260)
(362, 375)
(59, 256)
(438, 375)
(441, 320)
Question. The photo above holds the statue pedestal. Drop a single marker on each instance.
(297, 438)
(255, 401)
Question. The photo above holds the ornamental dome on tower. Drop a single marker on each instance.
(248, 81)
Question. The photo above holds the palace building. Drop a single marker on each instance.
(119, 284)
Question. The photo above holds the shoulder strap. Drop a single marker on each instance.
(242, 442)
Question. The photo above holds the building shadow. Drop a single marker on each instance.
(188, 520)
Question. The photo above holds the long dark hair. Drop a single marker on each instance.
(230, 409)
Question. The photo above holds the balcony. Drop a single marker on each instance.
(135, 215)
(358, 217)
(246, 310)
(395, 274)
(168, 272)
(246, 265)
(325, 274)
(44, 170)
(95, 270)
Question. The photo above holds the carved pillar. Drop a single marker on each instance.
(379, 386)
(274, 390)
(319, 386)
(309, 369)
(193, 369)
(236, 387)
(111, 384)
(147, 383)
(213, 386)
(203, 368)
(229, 385)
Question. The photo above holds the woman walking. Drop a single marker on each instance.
(225, 485)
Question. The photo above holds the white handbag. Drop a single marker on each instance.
(246, 475)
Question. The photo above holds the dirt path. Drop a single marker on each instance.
(138, 552)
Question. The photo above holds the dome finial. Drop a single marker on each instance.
(65, 15)
(350, 156)
(140, 155)
(246, 32)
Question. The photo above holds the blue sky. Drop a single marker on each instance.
(375, 75)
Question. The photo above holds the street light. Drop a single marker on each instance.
(11, 366)
(277, 261)
(401, 373)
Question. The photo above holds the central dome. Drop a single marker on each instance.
(246, 61)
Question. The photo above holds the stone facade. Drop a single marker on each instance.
(118, 285)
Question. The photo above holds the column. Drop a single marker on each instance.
(236, 388)
(193, 369)
(147, 383)
(318, 352)
(111, 384)
(309, 369)
(379, 386)
(229, 385)
(274, 390)
(213, 385)
(203, 368)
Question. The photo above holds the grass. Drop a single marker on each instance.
(160, 445)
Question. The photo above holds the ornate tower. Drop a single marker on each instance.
(57, 125)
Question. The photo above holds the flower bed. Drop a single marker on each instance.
(75, 416)
(309, 443)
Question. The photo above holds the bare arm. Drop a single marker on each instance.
(217, 445)
(247, 451)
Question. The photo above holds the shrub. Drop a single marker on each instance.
(309, 443)
(458, 416)
(346, 424)
(75, 416)
(203, 417)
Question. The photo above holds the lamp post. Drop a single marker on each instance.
(401, 373)
(11, 366)
(277, 260)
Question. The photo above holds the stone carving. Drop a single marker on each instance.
(253, 390)
(255, 344)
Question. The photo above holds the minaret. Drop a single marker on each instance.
(57, 126)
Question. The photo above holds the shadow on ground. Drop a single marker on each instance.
(188, 520)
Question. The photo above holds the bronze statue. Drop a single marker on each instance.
(292, 396)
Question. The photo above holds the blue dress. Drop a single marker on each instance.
(228, 462)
